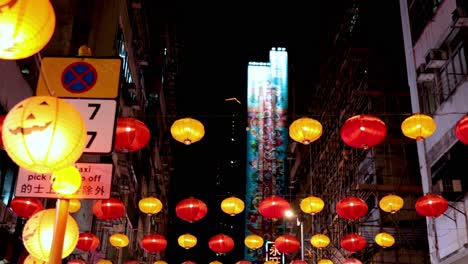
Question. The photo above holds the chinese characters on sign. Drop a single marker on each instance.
(272, 254)
(96, 183)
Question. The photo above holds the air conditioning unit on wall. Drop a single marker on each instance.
(424, 74)
(436, 58)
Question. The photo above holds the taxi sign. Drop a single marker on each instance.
(83, 77)
(96, 183)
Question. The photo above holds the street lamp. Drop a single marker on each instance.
(289, 214)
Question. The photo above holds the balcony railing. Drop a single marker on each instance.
(448, 78)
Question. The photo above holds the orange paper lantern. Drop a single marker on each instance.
(39, 230)
(320, 240)
(2, 118)
(150, 205)
(119, 240)
(305, 130)
(391, 203)
(232, 205)
(418, 126)
(187, 241)
(27, 27)
(312, 205)
(44, 134)
(187, 130)
(253, 241)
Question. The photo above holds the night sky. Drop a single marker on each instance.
(217, 45)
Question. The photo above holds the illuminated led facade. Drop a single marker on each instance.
(267, 140)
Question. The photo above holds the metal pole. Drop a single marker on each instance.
(302, 241)
(61, 216)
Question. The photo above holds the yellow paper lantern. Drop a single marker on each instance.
(74, 206)
(30, 259)
(84, 51)
(215, 262)
(119, 240)
(66, 181)
(25, 27)
(384, 239)
(104, 261)
(418, 126)
(320, 240)
(325, 261)
(311, 205)
(232, 205)
(270, 262)
(150, 205)
(44, 134)
(38, 234)
(305, 130)
(160, 262)
(187, 241)
(253, 241)
(391, 203)
(187, 130)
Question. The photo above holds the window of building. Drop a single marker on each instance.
(448, 173)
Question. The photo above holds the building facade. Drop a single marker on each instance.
(436, 37)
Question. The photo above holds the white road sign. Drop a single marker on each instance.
(96, 183)
(99, 116)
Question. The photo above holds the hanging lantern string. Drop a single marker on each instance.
(43, 74)
(311, 115)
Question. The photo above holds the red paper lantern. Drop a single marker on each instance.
(191, 209)
(153, 243)
(363, 131)
(132, 262)
(351, 208)
(221, 243)
(298, 261)
(25, 207)
(76, 261)
(352, 261)
(109, 209)
(273, 207)
(431, 205)
(287, 244)
(130, 135)
(188, 262)
(243, 262)
(353, 242)
(87, 241)
(461, 130)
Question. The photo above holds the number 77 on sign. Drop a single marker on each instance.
(99, 116)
